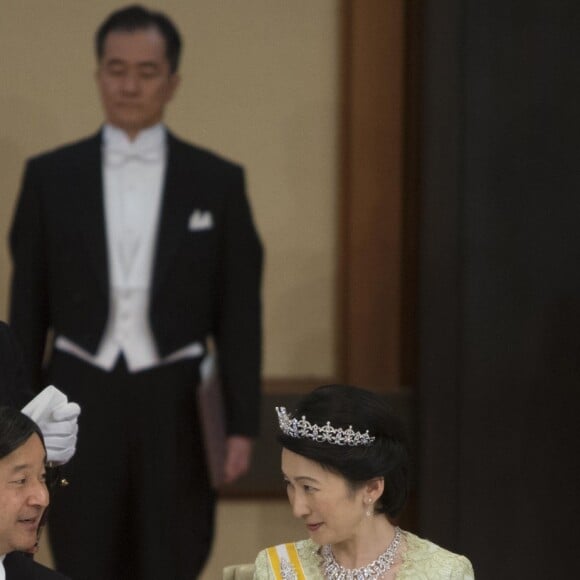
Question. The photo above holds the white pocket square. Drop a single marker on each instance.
(200, 220)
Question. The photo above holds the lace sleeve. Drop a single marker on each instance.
(425, 560)
(462, 569)
(263, 570)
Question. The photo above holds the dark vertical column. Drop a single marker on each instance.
(500, 284)
(440, 292)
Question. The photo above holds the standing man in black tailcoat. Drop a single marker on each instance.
(133, 247)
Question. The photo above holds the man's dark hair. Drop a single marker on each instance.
(387, 456)
(15, 430)
(134, 18)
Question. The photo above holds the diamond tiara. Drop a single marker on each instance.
(303, 429)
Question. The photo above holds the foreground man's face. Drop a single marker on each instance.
(23, 495)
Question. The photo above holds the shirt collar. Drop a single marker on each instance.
(148, 139)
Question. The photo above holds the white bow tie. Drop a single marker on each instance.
(116, 155)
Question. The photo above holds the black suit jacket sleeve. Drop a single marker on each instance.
(29, 295)
(238, 314)
(14, 389)
(21, 567)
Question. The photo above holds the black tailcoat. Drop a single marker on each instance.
(14, 390)
(204, 282)
(137, 427)
(21, 567)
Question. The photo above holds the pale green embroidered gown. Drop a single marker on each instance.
(422, 560)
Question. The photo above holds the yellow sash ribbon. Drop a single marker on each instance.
(284, 561)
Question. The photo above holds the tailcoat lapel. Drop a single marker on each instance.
(172, 223)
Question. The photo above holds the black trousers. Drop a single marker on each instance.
(139, 505)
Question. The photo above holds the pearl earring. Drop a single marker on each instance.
(370, 508)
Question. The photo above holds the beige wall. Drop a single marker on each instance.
(260, 85)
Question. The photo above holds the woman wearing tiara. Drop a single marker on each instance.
(345, 464)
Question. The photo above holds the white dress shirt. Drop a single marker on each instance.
(2, 571)
(133, 175)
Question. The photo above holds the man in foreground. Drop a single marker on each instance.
(23, 496)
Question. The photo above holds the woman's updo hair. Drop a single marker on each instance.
(387, 456)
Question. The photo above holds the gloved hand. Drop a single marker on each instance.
(57, 419)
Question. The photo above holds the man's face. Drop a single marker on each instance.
(135, 79)
(23, 495)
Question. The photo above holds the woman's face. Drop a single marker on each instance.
(331, 510)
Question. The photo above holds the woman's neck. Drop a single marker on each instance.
(367, 544)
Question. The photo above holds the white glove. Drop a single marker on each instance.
(57, 419)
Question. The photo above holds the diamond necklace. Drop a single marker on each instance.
(334, 571)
